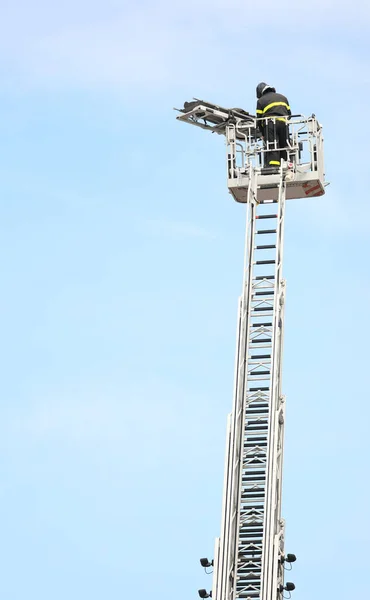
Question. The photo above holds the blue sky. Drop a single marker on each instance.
(121, 263)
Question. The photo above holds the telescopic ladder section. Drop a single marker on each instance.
(249, 554)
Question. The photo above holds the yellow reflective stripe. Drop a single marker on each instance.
(274, 118)
(258, 111)
(274, 162)
(275, 104)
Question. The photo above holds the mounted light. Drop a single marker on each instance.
(290, 558)
(289, 587)
(205, 563)
(204, 594)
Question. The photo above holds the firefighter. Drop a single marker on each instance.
(275, 131)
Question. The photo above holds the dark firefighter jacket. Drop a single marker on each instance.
(272, 104)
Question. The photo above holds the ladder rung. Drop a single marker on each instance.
(254, 459)
(262, 308)
(249, 432)
(250, 530)
(266, 216)
(265, 262)
(256, 492)
(266, 247)
(261, 325)
(256, 440)
(259, 376)
(261, 362)
(259, 403)
(259, 373)
(259, 389)
(262, 231)
(262, 277)
(268, 293)
(260, 356)
(251, 575)
(257, 407)
(267, 341)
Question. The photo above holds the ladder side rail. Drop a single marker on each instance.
(278, 574)
(247, 300)
(217, 570)
(237, 456)
(220, 541)
(270, 491)
(232, 464)
(278, 440)
(243, 584)
(271, 565)
(278, 568)
(229, 471)
(239, 416)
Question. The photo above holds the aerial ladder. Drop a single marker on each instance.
(249, 558)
